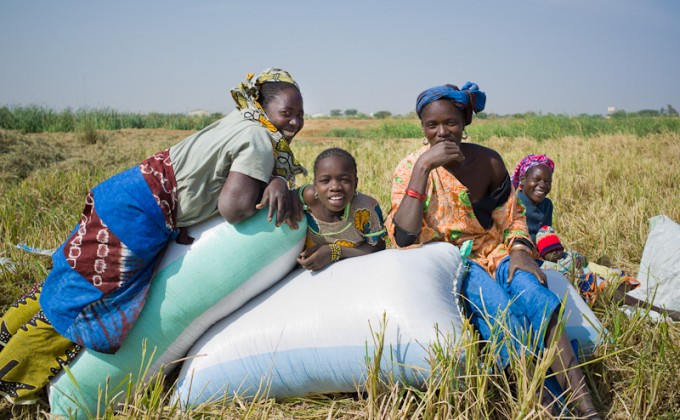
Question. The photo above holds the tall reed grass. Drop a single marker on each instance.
(606, 186)
(37, 119)
(537, 127)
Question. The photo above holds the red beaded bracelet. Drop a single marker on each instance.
(415, 194)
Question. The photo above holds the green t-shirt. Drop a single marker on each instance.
(203, 161)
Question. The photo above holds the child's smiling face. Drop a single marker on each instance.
(537, 183)
(335, 181)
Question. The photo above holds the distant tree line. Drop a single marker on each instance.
(667, 111)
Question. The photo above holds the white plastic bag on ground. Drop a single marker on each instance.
(659, 273)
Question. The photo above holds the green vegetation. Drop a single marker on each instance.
(602, 199)
(538, 127)
(20, 156)
(36, 119)
(395, 129)
(381, 115)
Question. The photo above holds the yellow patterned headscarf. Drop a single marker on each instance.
(246, 96)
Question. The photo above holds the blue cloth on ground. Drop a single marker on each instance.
(100, 319)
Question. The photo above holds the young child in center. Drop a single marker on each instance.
(342, 222)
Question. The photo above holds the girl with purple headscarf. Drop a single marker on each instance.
(532, 179)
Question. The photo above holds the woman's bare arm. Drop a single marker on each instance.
(239, 196)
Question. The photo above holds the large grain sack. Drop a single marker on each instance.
(194, 286)
(314, 333)
(659, 273)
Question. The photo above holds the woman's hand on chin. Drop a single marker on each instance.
(442, 153)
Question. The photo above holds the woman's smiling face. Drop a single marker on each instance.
(442, 121)
(286, 112)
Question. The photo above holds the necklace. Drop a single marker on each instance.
(344, 217)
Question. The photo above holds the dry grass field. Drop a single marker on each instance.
(605, 189)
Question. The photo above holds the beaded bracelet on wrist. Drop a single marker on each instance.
(335, 252)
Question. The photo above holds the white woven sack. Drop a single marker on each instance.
(312, 332)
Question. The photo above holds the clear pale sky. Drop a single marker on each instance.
(549, 56)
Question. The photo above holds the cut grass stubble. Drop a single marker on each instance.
(605, 189)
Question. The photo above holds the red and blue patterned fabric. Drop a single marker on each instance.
(102, 272)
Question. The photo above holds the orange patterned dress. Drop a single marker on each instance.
(449, 216)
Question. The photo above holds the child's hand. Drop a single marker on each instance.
(315, 258)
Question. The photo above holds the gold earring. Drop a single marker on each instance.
(425, 141)
(465, 135)
(316, 195)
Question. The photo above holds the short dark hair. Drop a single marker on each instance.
(335, 151)
(270, 90)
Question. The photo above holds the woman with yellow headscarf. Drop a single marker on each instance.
(102, 272)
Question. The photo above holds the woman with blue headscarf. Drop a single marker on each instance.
(460, 192)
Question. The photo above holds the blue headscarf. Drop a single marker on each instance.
(468, 99)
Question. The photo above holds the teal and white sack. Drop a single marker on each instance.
(194, 286)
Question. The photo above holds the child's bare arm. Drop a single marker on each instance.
(319, 257)
(315, 258)
(363, 249)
